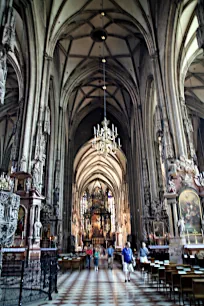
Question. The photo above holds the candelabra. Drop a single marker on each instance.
(105, 139)
(6, 183)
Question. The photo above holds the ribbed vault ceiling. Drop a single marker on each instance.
(194, 85)
(76, 50)
(89, 167)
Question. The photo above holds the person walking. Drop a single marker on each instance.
(96, 258)
(127, 258)
(110, 252)
(143, 253)
(89, 254)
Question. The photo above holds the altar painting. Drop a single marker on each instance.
(158, 227)
(190, 210)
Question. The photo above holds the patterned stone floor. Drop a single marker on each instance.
(105, 287)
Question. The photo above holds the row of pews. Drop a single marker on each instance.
(69, 262)
(183, 281)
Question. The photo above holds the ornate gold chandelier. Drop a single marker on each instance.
(105, 138)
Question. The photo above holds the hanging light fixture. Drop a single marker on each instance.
(105, 138)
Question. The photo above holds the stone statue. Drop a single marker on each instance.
(56, 210)
(37, 227)
(3, 74)
(171, 188)
(36, 174)
(56, 196)
(181, 226)
(28, 184)
(23, 163)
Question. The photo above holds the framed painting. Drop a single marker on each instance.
(158, 227)
(190, 210)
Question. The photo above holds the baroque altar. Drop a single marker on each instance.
(97, 220)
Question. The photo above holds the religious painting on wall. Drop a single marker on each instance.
(190, 210)
(21, 221)
(158, 227)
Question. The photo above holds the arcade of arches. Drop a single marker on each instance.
(51, 97)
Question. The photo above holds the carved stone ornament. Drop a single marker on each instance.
(8, 37)
(40, 155)
(9, 206)
(156, 207)
(3, 75)
(169, 153)
(57, 174)
(199, 179)
(184, 168)
(47, 121)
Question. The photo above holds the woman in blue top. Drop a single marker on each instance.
(127, 257)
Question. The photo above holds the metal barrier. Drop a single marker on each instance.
(26, 281)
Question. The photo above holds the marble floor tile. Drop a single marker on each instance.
(105, 288)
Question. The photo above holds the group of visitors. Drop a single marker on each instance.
(95, 254)
(128, 260)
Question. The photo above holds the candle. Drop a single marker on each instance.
(94, 130)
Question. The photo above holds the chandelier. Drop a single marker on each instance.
(104, 137)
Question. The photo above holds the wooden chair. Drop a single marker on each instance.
(198, 289)
(168, 279)
(154, 273)
(161, 277)
(186, 284)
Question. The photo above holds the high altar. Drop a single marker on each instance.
(97, 219)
